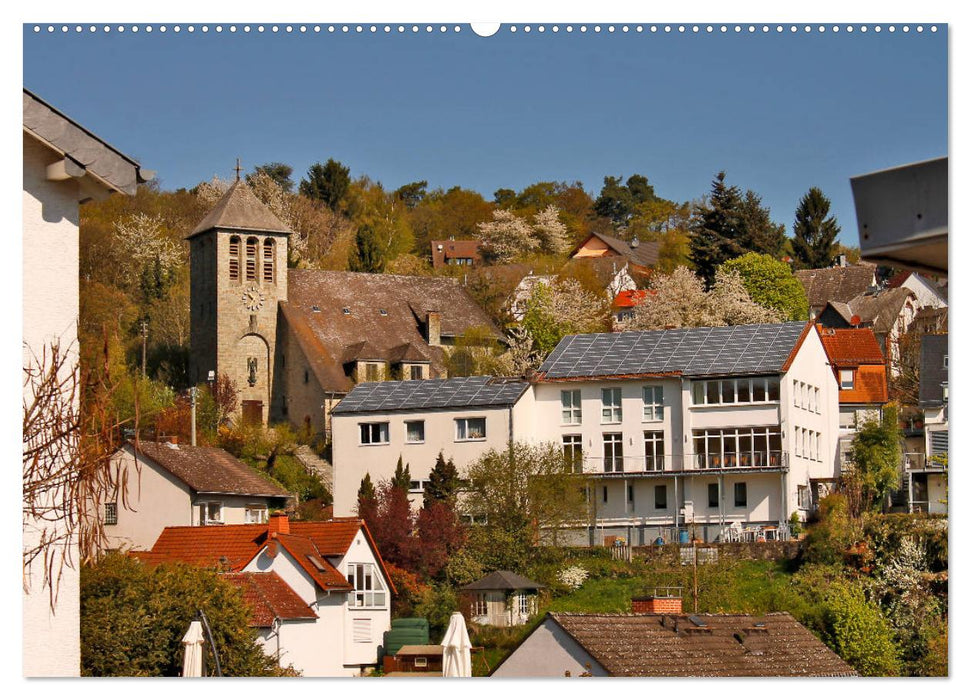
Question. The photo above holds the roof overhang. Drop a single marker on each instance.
(902, 215)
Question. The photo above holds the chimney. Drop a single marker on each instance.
(842, 261)
(433, 328)
(279, 523)
(657, 605)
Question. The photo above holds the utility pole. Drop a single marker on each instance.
(144, 347)
(192, 396)
(694, 547)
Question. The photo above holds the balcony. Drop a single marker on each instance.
(658, 465)
(918, 462)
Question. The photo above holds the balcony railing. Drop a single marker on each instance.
(918, 461)
(775, 459)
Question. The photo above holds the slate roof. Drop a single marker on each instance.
(645, 254)
(207, 469)
(933, 373)
(503, 581)
(425, 394)
(270, 598)
(836, 283)
(878, 310)
(651, 645)
(240, 210)
(697, 352)
(86, 153)
(326, 335)
(454, 249)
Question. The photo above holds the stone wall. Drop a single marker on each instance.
(671, 553)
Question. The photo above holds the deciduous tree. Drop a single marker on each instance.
(770, 283)
(562, 307)
(506, 237)
(366, 255)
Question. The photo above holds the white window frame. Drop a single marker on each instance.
(816, 401)
(653, 450)
(255, 513)
(616, 441)
(480, 605)
(205, 512)
(573, 450)
(611, 412)
(847, 379)
(370, 427)
(408, 424)
(462, 431)
(525, 605)
(700, 390)
(653, 403)
(571, 409)
(111, 513)
(368, 589)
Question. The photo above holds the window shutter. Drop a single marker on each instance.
(362, 630)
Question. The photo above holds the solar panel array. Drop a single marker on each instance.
(725, 350)
(455, 392)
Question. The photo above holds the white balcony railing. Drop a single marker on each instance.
(684, 463)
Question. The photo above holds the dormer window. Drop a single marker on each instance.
(234, 258)
(346, 311)
(846, 379)
(384, 312)
(315, 309)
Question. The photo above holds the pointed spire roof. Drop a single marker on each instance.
(240, 209)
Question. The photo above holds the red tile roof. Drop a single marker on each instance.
(313, 561)
(442, 251)
(850, 347)
(629, 298)
(270, 598)
(869, 386)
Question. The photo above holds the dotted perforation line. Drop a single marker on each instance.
(512, 29)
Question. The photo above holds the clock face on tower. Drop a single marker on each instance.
(253, 299)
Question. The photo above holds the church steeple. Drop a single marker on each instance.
(240, 209)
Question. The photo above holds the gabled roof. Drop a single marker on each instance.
(383, 313)
(727, 350)
(836, 283)
(314, 562)
(84, 153)
(207, 469)
(880, 310)
(651, 645)
(503, 581)
(933, 373)
(630, 298)
(240, 210)
(427, 394)
(644, 254)
(442, 251)
(270, 598)
(850, 347)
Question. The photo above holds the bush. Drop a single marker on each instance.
(858, 632)
(828, 539)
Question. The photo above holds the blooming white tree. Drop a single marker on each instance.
(550, 231)
(506, 236)
(142, 239)
(562, 307)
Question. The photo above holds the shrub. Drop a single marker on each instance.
(573, 577)
(858, 632)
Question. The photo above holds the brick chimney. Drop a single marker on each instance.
(656, 604)
(433, 325)
(279, 523)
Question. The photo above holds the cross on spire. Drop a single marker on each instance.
(238, 169)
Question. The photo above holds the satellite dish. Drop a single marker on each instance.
(855, 321)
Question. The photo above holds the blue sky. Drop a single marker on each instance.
(778, 112)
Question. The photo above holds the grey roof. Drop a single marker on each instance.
(503, 581)
(644, 254)
(85, 153)
(455, 392)
(240, 209)
(726, 350)
(933, 373)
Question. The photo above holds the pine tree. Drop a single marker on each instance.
(443, 481)
(716, 234)
(814, 231)
(759, 233)
(327, 183)
(366, 255)
(402, 476)
(367, 500)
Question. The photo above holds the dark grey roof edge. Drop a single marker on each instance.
(511, 401)
(503, 580)
(109, 175)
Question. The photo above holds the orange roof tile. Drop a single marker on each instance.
(869, 386)
(851, 347)
(270, 598)
(629, 298)
(313, 561)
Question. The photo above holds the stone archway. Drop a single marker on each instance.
(254, 376)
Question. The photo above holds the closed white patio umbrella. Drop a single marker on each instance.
(457, 651)
(192, 662)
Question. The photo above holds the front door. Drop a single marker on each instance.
(252, 412)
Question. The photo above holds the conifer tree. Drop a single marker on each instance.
(367, 500)
(402, 476)
(443, 481)
(366, 255)
(714, 231)
(814, 231)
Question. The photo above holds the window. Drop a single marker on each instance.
(417, 486)
(772, 384)
(613, 452)
(803, 497)
(797, 438)
(371, 372)
(713, 495)
(374, 434)
(268, 260)
(525, 604)
(255, 514)
(306, 377)
(570, 402)
(945, 362)
(368, 589)
(605, 494)
(812, 445)
(361, 627)
(630, 493)
(653, 403)
(661, 497)
(414, 431)
(211, 513)
(795, 392)
(251, 244)
(741, 495)
(846, 379)
(111, 513)
(417, 372)
(611, 411)
(421, 661)
(816, 400)
(732, 391)
(738, 447)
(470, 429)
(234, 258)
(573, 451)
(653, 451)
(480, 605)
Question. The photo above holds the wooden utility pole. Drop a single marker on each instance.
(192, 396)
(144, 349)
(694, 548)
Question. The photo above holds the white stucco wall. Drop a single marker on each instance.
(379, 618)
(51, 645)
(548, 652)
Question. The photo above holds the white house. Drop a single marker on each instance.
(693, 428)
(332, 603)
(461, 417)
(927, 479)
(64, 165)
(927, 292)
(166, 484)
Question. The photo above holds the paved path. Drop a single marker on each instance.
(321, 467)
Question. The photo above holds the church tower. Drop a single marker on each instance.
(238, 274)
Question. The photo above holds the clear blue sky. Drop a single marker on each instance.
(778, 112)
